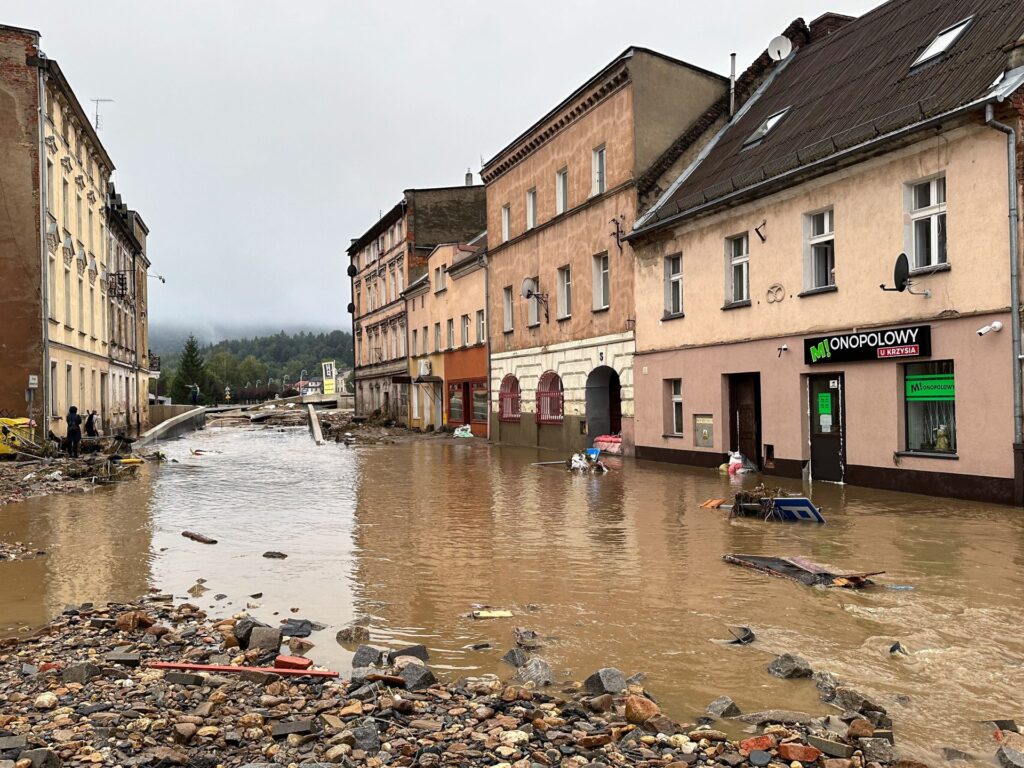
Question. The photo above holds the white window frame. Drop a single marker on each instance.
(564, 292)
(674, 285)
(561, 190)
(465, 330)
(481, 326)
(533, 307)
(732, 261)
(506, 222)
(531, 208)
(935, 214)
(415, 397)
(450, 327)
(812, 241)
(943, 41)
(599, 170)
(507, 309)
(437, 337)
(602, 281)
(675, 397)
(415, 341)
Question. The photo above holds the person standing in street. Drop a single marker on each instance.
(90, 425)
(74, 434)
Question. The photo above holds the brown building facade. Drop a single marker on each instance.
(560, 198)
(388, 257)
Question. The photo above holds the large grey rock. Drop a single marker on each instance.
(788, 666)
(1008, 757)
(417, 651)
(417, 676)
(536, 671)
(606, 680)
(125, 659)
(952, 753)
(781, 716)
(851, 700)
(13, 742)
(723, 706)
(826, 683)
(516, 657)
(184, 678)
(830, 747)
(366, 738)
(80, 673)
(367, 656)
(265, 637)
(877, 750)
(41, 758)
(282, 729)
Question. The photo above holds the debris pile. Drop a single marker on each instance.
(20, 480)
(15, 550)
(85, 691)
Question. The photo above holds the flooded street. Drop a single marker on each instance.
(621, 570)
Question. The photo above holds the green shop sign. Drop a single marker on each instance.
(931, 387)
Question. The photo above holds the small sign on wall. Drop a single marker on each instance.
(703, 430)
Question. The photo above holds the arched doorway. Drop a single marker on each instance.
(604, 403)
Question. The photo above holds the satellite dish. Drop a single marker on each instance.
(352, 270)
(351, 308)
(779, 48)
(901, 273)
(529, 288)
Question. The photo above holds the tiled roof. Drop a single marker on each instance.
(850, 87)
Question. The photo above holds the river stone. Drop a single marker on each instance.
(80, 673)
(759, 758)
(280, 730)
(537, 671)
(416, 677)
(419, 651)
(367, 656)
(515, 656)
(243, 629)
(13, 742)
(723, 706)
(952, 753)
(782, 716)
(1008, 757)
(877, 750)
(852, 700)
(640, 709)
(366, 738)
(788, 666)
(297, 628)
(826, 683)
(265, 637)
(46, 700)
(830, 747)
(40, 758)
(606, 680)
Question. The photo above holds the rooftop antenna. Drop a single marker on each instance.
(779, 48)
(97, 102)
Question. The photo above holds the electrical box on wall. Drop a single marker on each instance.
(704, 430)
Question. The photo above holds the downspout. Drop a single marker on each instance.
(487, 338)
(44, 420)
(1018, 396)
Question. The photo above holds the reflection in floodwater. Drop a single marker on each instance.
(623, 569)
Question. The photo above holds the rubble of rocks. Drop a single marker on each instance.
(82, 692)
(15, 550)
(20, 480)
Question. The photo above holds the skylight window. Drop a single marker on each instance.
(942, 42)
(765, 128)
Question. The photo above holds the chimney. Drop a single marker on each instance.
(827, 23)
(469, 178)
(1015, 54)
(732, 84)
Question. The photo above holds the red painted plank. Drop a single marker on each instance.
(229, 669)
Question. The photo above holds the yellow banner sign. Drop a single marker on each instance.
(328, 367)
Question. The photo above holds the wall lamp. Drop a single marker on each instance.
(783, 348)
(996, 326)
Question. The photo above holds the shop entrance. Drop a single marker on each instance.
(825, 395)
(745, 415)
(604, 403)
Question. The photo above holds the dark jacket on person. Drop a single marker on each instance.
(74, 422)
(90, 425)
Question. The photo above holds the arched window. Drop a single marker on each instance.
(550, 401)
(509, 401)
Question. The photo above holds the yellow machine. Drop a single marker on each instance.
(15, 434)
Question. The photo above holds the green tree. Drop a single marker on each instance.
(191, 371)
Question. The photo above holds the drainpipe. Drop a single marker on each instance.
(1018, 396)
(732, 85)
(487, 338)
(44, 420)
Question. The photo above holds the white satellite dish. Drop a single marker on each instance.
(529, 288)
(779, 48)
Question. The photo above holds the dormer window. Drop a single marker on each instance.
(764, 129)
(942, 42)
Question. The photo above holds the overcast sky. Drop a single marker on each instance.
(257, 138)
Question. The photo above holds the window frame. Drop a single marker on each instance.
(599, 170)
(673, 285)
(531, 208)
(936, 49)
(550, 399)
(938, 236)
(564, 284)
(450, 329)
(602, 286)
(533, 306)
(906, 368)
(731, 262)
(508, 309)
(674, 397)
(506, 222)
(510, 400)
(765, 128)
(561, 190)
(465, 330)
(812, 242)
(481, 327)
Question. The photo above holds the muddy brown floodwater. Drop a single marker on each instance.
(622, 570)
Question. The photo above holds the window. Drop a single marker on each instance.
(401, 341)
(564, 292)
(391, 283)
(478, 394)
(506, 222)
(550, 402)
(89, 239)
(52, 287)
(531, 208)
(509, 399)
(674, 403)
(763, 129)
(398, 231)
(53, 389)
(440, 279)
(930, 407)
(674, 285)
(533, 306)
(506, 302)
(50, 191)
(928, 217)
(65, 203)
(738, 281)
(455, 405)
(481, 329)
(78, 216)
(426, 340)
(821, 249)
(437, 337)
(942, 42)
(68, 383)
(384, 345)
(598, 166)
(562, 191)
(67, 297)
(415, 396)
(601, 288)
(465, 330)
(414, 347)
(451, 333)
(92, 311)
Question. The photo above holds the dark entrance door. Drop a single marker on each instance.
(826, 407)
(604, 403)
(745, 415)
